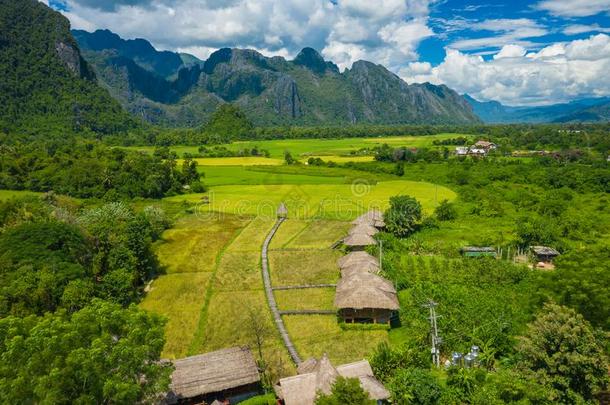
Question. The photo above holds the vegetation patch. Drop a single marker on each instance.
(299, 267)
(306, 298)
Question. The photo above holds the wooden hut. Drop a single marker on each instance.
(282, 211)
(544, 254)
(317, 376)
(356, 257)
(359, 241)
(224, 375)
(478, 251)
(363, 297)
(365, 229)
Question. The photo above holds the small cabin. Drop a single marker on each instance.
(359, 241)
(478, 251)
(228, 376)
(282, 211)
(317, 376)
(363, 297)
(544, 254)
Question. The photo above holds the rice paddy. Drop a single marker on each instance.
(212, 290)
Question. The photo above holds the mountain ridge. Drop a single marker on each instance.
(580, 110)
(307, 90)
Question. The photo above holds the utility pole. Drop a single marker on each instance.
(435, 339)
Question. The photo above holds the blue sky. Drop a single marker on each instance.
(517, 52)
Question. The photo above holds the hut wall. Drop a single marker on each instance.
(366, 315)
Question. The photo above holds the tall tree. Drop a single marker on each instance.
(564, 353)
(403, 214)
(100, 354)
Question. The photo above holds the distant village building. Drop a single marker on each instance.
(480, 148)
(363, 297)
(224, 375)
(317, 376)
(478, 251)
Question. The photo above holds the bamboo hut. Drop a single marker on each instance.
(372, 218)
(359, 241)
(360, 267)
(356, 257)
(224, 375)
(282, 211)
(365, 229)
(365, 298)
(317, 376)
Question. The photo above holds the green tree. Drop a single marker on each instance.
(403, 214)
(288, 158)
(445, 211)
(100, 354)
(415, 386)
(345, 391)
(564, 353)
(227, 123)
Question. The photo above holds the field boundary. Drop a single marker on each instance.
(203, 317)
(277, 317)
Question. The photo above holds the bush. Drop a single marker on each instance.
(402, 215)
(445, 211)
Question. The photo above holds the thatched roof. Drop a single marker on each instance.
(213, 372)
(360, 267)
(319, 375)
(544, 251)
(372, 218)
(365, 290)
(359, 239)
(282, 211)
(365, 229)
(356, 257)
(362, 370)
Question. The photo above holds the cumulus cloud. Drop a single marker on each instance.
(387, 31)
(507, 31)
(576, 29)
(571, 8)
(556, 73)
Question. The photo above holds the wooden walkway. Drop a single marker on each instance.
(302, 287)
(277, 317)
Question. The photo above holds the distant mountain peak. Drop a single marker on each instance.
(311, 59)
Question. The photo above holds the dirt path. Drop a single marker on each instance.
(279, 323)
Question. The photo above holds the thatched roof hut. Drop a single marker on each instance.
(365, 229)
(359, 240)
(365, 290)
(360, 267)
(356, 257)
(369, 217)
(319, 375)
(214, 375)
(282, 211)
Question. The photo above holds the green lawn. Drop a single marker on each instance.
(319, 147)
(328, 201)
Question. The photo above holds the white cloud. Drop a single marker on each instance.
(509, 31)
(576, 29)
(574, 8)
(510, 51)
(557, 73)
(386, 31)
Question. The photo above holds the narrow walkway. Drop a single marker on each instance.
(271, 299)
(302, 287)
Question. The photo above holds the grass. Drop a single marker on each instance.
(179, 297)
(188, 254)
(8, 194)
(314, 335)
(253, 175)
(298, 267)
(308, 298)
(236, 161)
(341, 159)
(318, 147)
(326, 201)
